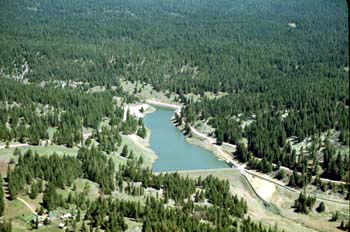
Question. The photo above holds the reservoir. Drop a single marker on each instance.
(174, 153)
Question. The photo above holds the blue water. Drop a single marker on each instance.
(174, 153)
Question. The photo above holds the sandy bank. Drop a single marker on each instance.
(138, 110)
(162, 104)
(140, 147)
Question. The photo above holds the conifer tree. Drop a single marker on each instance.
(2, 199)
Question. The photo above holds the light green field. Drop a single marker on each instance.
(16, 208)
(41, 150)
(59, 149)
(87, 185)
(19, 214)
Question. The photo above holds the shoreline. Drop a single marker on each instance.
(222, 152)
(163, 104)
(194, 140)
(197, 139)
(202, 143)
(142, 143)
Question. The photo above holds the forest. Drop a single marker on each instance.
(28, 111)
(194, 47)
(279, 74)
(45, 174)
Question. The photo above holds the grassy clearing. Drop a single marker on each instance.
(16, 208)
(139, 150)
(91, 188)
(19, 214)
(51, 228)
(41, 150)
(133, 226)
(127, 197)
(59, 149)
(35, 203)
(146, 92)
(333, 137)
(209, 95)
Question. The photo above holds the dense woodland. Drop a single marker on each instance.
(283, 83)
(289, 81)
(299, 103)
(193, 47)
(299, 112)
(28, 111)
(60, 171)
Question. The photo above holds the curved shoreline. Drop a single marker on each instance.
(198, 141)
(163, 104)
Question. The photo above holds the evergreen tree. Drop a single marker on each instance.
(50, 197)
(2, 199)
(83, 227)
(34, 190)
(321, 207)
(125, 151)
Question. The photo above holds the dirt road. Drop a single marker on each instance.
(228, 158)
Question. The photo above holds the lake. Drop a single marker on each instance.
(174, 153)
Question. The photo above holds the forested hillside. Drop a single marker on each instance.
(277, 73)
(306, 101)
(28, 111)
(187, 46)
(49, 174)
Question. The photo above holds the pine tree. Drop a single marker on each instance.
(292, 181)
(83, 227)
(34, 190)
(146, 227)
(321, 207)
(335, 216)
(78, 216)
(219, 136)
(2, 200)
(125, 151)
(50, 197)
(187, 129)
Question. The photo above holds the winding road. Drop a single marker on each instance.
(243, 171)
